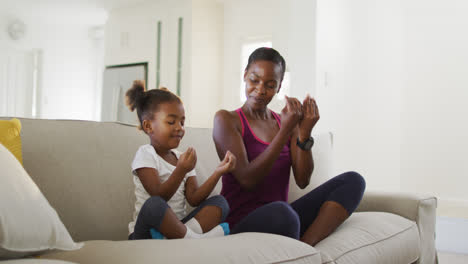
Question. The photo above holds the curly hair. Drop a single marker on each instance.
(147, 102)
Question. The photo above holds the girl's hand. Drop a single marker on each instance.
(310, 117)
(291, 114)
(187, 160)
(228, 164)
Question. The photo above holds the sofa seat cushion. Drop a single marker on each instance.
(239, 248)
(372, 237)
(36, 261)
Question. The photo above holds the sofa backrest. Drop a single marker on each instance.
(83, 169)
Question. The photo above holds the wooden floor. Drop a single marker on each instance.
(452, 258)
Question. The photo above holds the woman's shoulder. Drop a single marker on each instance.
(227, 119)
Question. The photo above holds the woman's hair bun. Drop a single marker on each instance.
(132, 95)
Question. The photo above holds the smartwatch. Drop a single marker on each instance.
(306, 145)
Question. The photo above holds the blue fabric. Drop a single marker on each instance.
(155, 234)
(225, 227)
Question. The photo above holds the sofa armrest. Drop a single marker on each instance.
(418, 208)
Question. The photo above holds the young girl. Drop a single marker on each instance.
(164, 177)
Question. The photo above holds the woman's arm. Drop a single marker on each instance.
(149, 177)
(228, 137)
(194, 194)
(302, 161)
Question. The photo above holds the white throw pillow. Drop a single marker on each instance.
(28, 223)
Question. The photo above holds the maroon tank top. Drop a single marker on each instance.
(274, 187)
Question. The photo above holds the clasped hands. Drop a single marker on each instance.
(303, 116)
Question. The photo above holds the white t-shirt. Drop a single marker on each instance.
(146, 157)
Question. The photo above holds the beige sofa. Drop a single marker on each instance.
(83, 169)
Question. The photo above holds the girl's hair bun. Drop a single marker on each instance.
(132, 95)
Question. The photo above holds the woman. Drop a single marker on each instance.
(266, 146)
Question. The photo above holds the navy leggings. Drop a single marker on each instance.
(153, 210)
(292, 220)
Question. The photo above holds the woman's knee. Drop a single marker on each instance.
(285, 218)
(355, 179)
(352, 191)
(221, 202)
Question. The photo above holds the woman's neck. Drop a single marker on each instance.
(261, 114)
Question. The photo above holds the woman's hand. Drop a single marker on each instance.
(187, 160)
(291, 114)
(228, 164)
(310, 116)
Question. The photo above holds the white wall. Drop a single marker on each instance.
(202, 56)
(392, 85)
(69, 63)
(434, 156)
(206, 62)
(139, 24)
(359, 73)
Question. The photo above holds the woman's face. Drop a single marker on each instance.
(262, 81)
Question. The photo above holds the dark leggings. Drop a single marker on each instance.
(293, 220)
(153, 210)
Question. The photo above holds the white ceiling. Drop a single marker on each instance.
(103, 4)
(92, 12)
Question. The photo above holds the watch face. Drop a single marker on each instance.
(306, 145)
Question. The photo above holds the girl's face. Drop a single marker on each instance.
(166, 130)
(262, 82)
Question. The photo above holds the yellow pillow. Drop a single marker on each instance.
(10, 137)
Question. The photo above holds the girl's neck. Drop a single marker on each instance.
(163, 152)
(261, 114)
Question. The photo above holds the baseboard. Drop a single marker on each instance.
(452, 234)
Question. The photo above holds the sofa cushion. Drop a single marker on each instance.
(36, 261)
(240, 248)
(10, 137)
(85, 174)
(28, 223)
(372, 237)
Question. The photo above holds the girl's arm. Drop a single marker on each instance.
(227, 136)
(149, 177)
(302, 161)
(194, 194)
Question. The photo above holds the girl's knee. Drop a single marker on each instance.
(221, 202)
(155, 203)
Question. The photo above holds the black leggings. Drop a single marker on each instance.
(153, 210)
(292, 220)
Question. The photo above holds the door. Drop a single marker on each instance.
(117, 80)
(17, 83)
